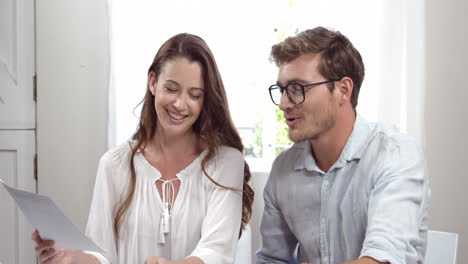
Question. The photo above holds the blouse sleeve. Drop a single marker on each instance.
(100, 220)
(221, 225)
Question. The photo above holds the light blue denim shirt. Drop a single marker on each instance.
(372, 202)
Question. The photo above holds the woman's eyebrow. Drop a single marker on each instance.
(174, 82)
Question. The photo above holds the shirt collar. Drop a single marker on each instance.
(305, 160)
(353, 149)
(154, 172)
(356, 143)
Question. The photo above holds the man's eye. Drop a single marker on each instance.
(295, 89)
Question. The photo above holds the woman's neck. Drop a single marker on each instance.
(174, 146)
(171, 154)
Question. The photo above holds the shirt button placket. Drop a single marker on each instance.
(323, 221)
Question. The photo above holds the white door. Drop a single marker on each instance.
(17, 151)
(17, 125)
(17, 107)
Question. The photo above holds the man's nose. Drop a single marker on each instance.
(285, 103)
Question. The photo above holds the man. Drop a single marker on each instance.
(347, 191)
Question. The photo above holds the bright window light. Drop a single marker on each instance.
(240, 34)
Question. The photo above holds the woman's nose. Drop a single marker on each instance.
(179, 103)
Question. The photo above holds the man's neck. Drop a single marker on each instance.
(327, 148)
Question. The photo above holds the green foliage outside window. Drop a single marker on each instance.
(254, 144)
(281, 137)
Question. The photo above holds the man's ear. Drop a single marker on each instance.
(345, 85)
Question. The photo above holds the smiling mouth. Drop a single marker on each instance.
(176, 116)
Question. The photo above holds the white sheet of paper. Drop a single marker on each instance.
(43, 214)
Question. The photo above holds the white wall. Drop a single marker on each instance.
(72, 68)
(446, 117)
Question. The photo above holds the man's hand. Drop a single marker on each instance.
(159, 260)
(156, 260)
(366, 260)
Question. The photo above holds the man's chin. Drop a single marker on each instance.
(295, 137)
(299, 137)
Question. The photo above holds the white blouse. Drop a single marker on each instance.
(204, 220)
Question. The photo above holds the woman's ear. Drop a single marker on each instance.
(152, 82)
(346, 89)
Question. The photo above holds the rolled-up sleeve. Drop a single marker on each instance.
(278, 241)
(221, 225)
(397, 208)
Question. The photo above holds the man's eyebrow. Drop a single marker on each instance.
(298, 81)
(292, 81)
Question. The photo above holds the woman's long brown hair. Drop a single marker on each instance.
(214, 125)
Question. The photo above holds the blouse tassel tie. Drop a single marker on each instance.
(164, 225)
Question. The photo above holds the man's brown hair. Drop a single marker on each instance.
(339, 58)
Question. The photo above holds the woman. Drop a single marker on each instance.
(178, 192)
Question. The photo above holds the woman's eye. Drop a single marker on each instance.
(171, 90)
(196, 96)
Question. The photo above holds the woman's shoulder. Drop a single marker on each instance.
(228, 153)
(227, 158)
(117, 156)
(227, 167)
(114, 166)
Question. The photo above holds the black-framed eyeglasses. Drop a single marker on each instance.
(295, 91)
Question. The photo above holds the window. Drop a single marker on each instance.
(241, 33)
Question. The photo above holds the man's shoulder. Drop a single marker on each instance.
(388, 147)
(291, 154)
(287, 160)
(390, 137)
